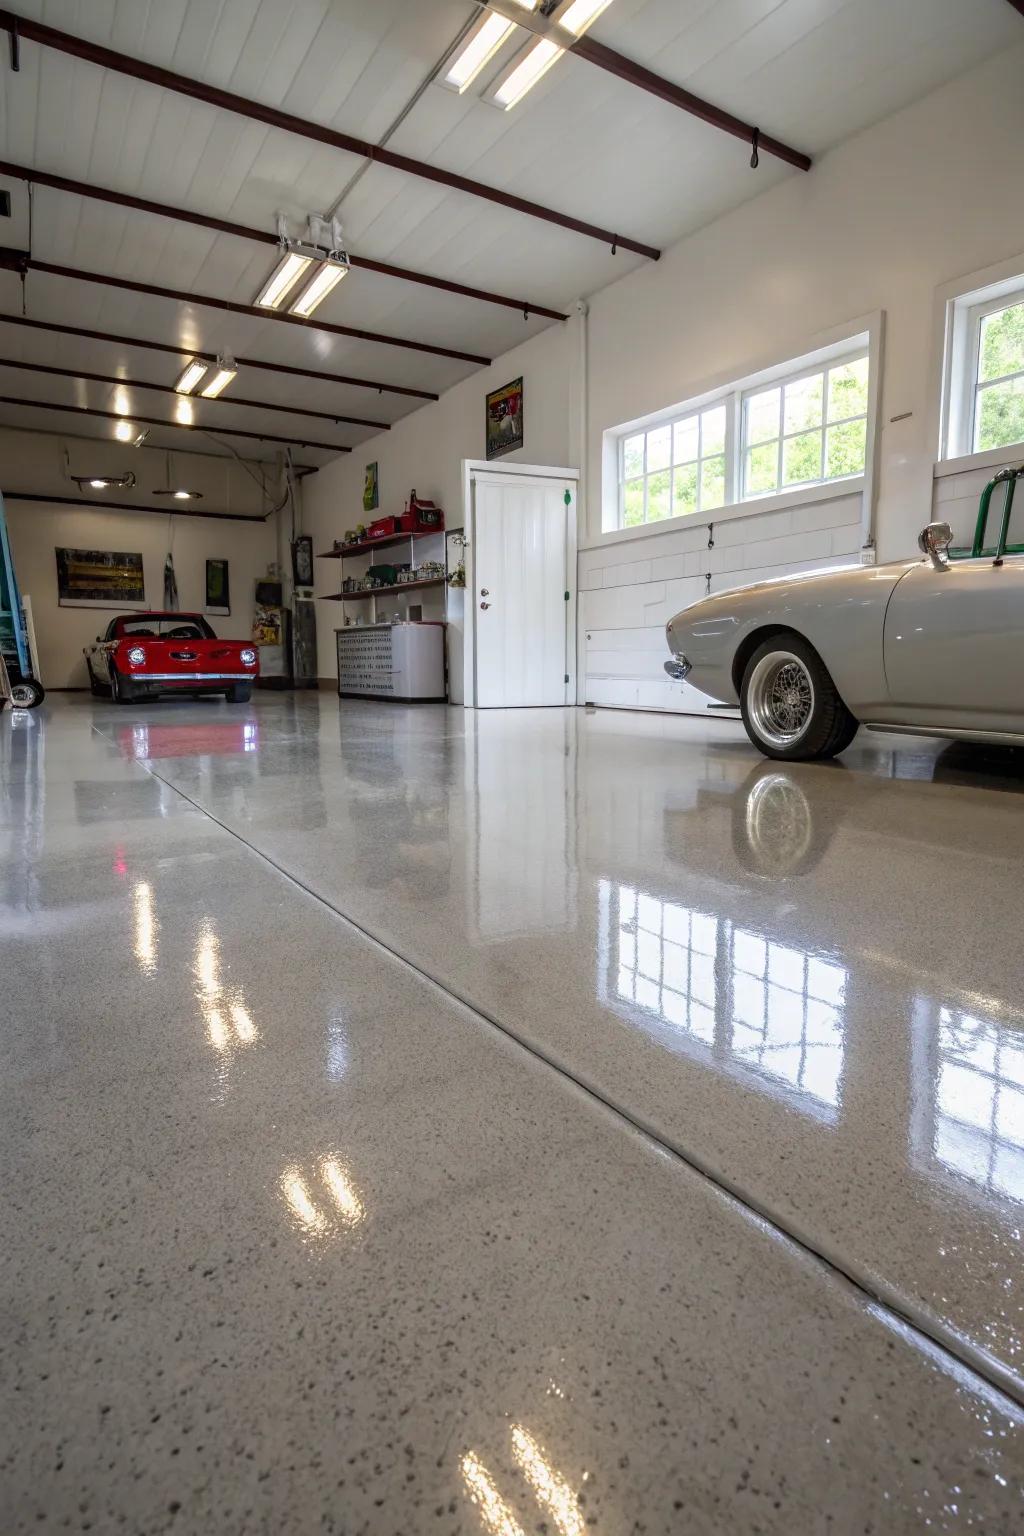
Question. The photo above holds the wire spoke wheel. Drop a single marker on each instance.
(781, 698)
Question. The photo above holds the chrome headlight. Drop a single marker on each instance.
(136, 655)
(247, 657)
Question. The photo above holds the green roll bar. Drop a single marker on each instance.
(1007, 477)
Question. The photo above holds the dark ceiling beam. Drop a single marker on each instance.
(244, 232)
(1018, 5)
(131, 506)
(231, 307)
(587, 47)
(211, 357)
(228, 101)
(178, 426)
(169, 389)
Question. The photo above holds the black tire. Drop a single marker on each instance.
(120, 691)
(96, 688)
(798, 723)
(27, 693)
(241, 693)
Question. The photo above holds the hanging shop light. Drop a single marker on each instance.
(195, 371)
(226, 371)
(532, 63)
(180, 494)
(479, 46)
(319, 263)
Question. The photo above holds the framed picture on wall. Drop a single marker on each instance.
(97, 578)
(371, 488)
(505, 419)
(302, 561)
(218, 590)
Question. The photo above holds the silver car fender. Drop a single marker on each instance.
(841, 613)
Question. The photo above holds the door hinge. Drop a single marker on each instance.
(567, 677)
(567, 597)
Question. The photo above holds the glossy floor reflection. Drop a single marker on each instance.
(297, 1242)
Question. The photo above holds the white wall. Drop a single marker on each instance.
(34, 462)
(878, 225)
(424, 452)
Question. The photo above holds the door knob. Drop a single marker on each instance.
(485, 605)
(484, 592)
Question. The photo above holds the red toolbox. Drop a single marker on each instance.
(383, 528)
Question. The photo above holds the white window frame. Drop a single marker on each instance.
(726, 452)
(854, 340)
(819, 370)
(966, 305)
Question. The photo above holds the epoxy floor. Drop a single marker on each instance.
(535, 1121)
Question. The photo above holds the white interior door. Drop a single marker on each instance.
(519, 587)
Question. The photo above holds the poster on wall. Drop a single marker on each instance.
(302, 561)
(218, 590)
(371, 489)
(505, 419)
(96, 578)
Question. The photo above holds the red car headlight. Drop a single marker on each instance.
(247, 657)
(136, 655)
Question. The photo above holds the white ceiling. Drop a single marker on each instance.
(809, 72)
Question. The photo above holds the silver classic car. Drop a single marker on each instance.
(932, 646)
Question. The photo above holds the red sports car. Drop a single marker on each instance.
(146, 654)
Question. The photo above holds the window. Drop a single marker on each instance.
(807, 429)
(801, 424)
(979, 1102)
(999, 379)
(983, 403)
(674, 468)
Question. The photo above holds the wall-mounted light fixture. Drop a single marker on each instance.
(104, 482)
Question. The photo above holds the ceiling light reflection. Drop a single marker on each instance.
(300, 1202)
(325, 1202)
(145, 927)
(229, 1024)
(495, 1513)
(552, 1490)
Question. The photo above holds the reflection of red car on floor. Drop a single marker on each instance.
(146, 654)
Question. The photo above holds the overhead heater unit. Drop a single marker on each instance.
(307, 270)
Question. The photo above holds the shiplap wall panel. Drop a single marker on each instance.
(629, 589)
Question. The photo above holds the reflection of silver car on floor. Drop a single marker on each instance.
(933, 646)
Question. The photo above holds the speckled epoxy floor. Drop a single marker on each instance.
(297, 1241)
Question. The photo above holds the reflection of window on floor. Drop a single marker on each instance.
(770, 1007)
(979, 1102)
(666, 957)
(786, 1007)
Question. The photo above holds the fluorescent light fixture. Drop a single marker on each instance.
(283, 278)
(226, 371)
(190, 378)
(180, 494)
(479, 46)
(534, 61)
(524, 72)
(578, 15)
(328, 277)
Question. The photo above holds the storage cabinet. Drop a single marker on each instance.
(404, 662)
